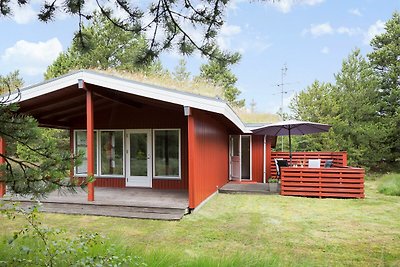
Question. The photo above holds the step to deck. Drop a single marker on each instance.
(247, 188)
(136, 212)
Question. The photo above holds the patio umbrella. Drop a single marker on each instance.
(291, 127)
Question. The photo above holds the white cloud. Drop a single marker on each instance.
(319, 29)
(225, 37)
(325, 50)
(31, 58)
(375, 29)
(285, 6)
(233, 5)
(355, 12)
(348, 31)
(23, 14)
(325, 28)
(229, 30)
(256, 45)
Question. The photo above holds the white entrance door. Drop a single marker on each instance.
(240, 157)
(234, 157)
(138, 158)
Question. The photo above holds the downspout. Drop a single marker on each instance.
(264, 158)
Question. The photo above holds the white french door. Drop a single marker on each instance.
(138, 158)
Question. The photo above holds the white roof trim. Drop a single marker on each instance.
(135, 88)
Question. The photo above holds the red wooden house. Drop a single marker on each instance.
(140, 135)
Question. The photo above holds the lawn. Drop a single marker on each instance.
(249, 230)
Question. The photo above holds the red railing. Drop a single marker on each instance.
(345, 182)
(338, 181)
(339, 158)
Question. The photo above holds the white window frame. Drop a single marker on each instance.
(99, 154)
(179, 177)
(251, 157)
(98, 150)
(75, 152)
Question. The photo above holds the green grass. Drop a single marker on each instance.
(248, 230)
(389, 184)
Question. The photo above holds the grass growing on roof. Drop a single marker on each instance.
(256, 117)
(195, 86)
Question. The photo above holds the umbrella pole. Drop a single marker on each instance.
(290, 147)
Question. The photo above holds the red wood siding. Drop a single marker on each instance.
(257, 158)
(209, 160)
(108, 182)
(323, 182)
(339, 158)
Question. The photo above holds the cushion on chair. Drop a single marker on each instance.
(314, 163)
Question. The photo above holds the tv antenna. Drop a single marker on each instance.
(282, 85)
(283, 91)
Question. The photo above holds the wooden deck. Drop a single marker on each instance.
(339, 181)
(117, 202)
(345, 182)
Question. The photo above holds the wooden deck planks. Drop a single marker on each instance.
(117, 202)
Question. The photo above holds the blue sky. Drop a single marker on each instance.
(312, 37)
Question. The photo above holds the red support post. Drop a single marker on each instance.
(2, 161)
(191, 151)
(268, 157)
(89, 139)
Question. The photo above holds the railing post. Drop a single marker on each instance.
(344, 155)
(2, 161)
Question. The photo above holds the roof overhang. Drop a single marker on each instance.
(154, 92)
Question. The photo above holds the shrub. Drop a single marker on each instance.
(38, 245)
(389, 184)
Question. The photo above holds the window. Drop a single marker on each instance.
(80, 147)
(167, 148)
(112, 152)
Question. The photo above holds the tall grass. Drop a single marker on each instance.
(389, 184)
(246, 230)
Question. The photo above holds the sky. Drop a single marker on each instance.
(310, 38)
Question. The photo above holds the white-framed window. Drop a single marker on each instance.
(80, 147)
(111, 153)
(167, 153)
(108, 153)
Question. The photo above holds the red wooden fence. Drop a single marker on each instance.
(345, 182)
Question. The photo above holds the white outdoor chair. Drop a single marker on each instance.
(314, 163)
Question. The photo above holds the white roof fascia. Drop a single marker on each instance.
(135, 88)
(46, 87)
